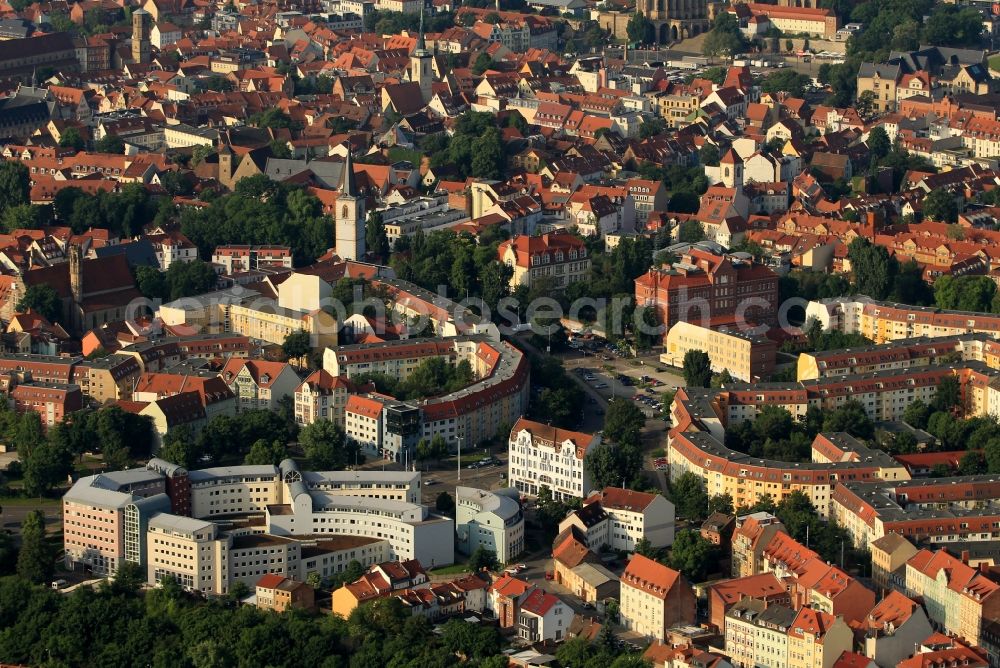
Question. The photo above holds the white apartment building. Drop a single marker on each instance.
(544, 456)
(619, 518)
(363, 423)
(491, 520)
(321, 397)
(230, 490)
(410, 529)
(259, 385)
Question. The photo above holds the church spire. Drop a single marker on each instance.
(421, 45)
(348, 185)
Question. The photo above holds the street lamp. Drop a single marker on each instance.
(459, 457)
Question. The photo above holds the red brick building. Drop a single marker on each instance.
(51, 402)
(710, 290)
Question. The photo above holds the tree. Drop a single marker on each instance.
(45, 464)
(878, 142)
(852, 418)
(690, 231)
(874, 269)
(697, 369)
(187, 279)
(652, 127)
(445, 504)
(691, 555)
(948, 395)
(722, 379)
(640, 29)
(721, 503)
(952, 25)
(972, 463)
(25, 217)
(689, 497)
(263, 453)
(623, 422)
(326, 447)
(865, 104)
(273, 118)
(152, 282)
(487, 155)
(15, 184)
(940, 206)
(709, 155)
(179, 447)
(176, 183)
(44, 300)
(786, 80)
(917, 414)
(71, 137)
(35, 560)
(614, 465)
(110, 144)
(482, 63)
(482, 559)
(964, 293)
(434, 449)
(725, 38)
(644, 548)
(375, 237)
(297, 345)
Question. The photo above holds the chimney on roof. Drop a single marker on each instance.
(965, 557)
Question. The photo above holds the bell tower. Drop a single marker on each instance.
(349, 215)
(420, 64)
(140, 36)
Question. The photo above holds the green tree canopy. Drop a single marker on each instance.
(326, 447)
(940, 205)
(697, 369)
(44, 300)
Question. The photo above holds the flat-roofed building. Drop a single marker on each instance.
(745, 356)
(190, 551)
(94, 517)
(491, 520)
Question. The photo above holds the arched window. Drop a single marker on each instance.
(343, 212)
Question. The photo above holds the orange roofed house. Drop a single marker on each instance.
(278, 593)
(654, 598)
(559, 255)
(544, 456)
(504, 599)
(958, 598)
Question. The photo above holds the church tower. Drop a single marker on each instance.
(420, 64)
(140, 36)
(731, 170)
(349, 218)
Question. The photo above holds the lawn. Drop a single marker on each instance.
(398, 153)
(32, 502)
(454, 569)
(995, 63)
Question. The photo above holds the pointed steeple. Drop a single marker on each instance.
(348, 186)
(421, 50)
